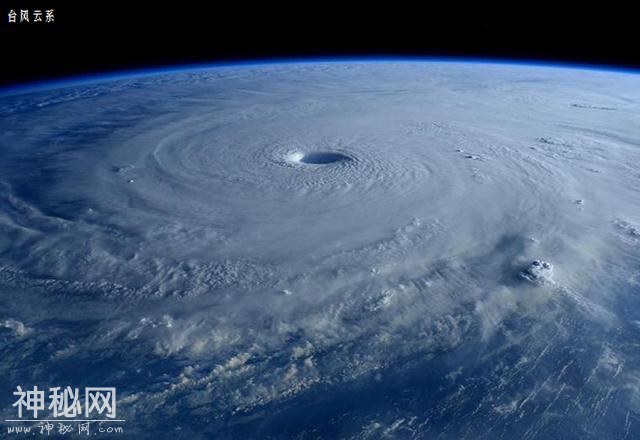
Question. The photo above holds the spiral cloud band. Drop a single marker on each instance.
(333, 250)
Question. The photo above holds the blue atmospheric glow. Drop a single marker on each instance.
(94, 78)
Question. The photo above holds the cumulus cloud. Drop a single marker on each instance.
(224, 241)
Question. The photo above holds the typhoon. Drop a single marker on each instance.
(329, 250)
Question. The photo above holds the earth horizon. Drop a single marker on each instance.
(346, 249)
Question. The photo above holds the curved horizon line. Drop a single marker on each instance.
(99, 77)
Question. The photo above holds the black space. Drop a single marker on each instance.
(104, 36)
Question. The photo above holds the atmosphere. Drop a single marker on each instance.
(430, 231)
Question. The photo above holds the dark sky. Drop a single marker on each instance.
(101, 36)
